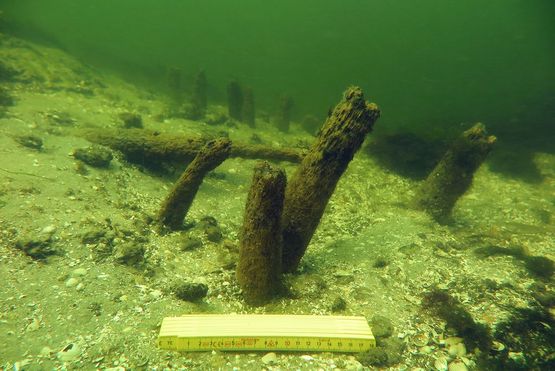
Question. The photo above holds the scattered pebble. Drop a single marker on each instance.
(69, 353)
(269, 358)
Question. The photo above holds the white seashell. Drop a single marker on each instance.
(421, 339)
(440, 363)
(69, 353)
(457, 365)
(497, 346)
(457, 350)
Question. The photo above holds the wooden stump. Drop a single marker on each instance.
(314, 181)
(453, 175)
(177, 203)
(259, 267)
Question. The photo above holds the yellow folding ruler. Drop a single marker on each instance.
(266, 332)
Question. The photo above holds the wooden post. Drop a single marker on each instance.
(248, 107)
(283, 118)
(259, 267)
(199, 99)
(314, 181)
(177, 203)
(453, 175)
(235, 100)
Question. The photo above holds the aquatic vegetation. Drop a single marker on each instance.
(449, 309)
(529, 335)
(538, 266)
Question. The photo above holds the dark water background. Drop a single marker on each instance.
(431, 65)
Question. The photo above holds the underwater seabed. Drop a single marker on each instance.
(87, 278)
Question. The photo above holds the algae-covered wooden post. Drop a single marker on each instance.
(453, 175)
(152, 147)
(259, 267)
(248, 107)
(199, 99)
(179, 200)
(283, 117)
(175, 88)
(314, 181)
(235, 100)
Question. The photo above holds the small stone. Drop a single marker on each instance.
(79, 272)
(46, 352)
(72, 282)
(190, 291)
(440, 364)
(129, 253)
(213, 233)
(457, 350)
(307, 358)
(37, 247)
(339, 304)
(191, 243)
(155, 294)
(421, 339)
(49, 230)
(457, 365)
(94, 156)
(69, 353)
(131, 120)
(373, 357)
(269, 358)
(30, 141)
(381, 326)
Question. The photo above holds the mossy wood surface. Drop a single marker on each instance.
(148, 147)
(180, 198)
(453, 175)
(314, 181)
(259, 267)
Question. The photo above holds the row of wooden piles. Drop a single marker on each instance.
(282, 215)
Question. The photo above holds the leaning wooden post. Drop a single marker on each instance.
(177, 203)
(259, 267)
(453, 175)
(314, 181)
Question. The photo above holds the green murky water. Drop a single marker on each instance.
(430, 64)
(88, 273)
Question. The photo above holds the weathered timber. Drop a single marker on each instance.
(149, 147)
(179, 200)
(259, 266)
(453, 175)
(314, 181)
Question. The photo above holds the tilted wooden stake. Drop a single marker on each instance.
(180, 198)
(453, 175)
(314, 181)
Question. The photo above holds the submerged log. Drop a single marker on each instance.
(453, 175)
(314, 181)
(149, 147)
(177, 203)
(259, 267)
